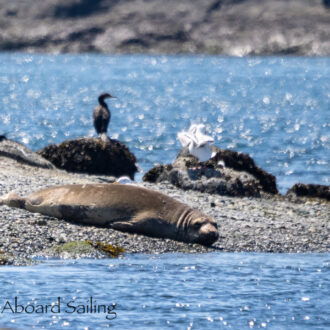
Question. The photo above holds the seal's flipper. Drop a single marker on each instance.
(123, 226)
(143, 224)
(13, 200)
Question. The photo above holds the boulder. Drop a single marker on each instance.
(83, 249)
(22, 154)
(243, 162)
(92, 156)
(310, 190)
(239, 177)
(8, 259)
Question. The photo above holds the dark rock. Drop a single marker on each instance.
(156, 172)
(243, 162)
(92, 156)
(22, 154)
(243, 178)
(237, 161)
(310, 190)
(75, 9)
(227, 182)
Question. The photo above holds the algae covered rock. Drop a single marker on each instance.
(74, 249)
(227, 173)
(240, 161)
(85, 249)
(112, 251)
(92, 156)
(310, 190)
(210, 180)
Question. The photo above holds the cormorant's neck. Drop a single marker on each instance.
(102, 102)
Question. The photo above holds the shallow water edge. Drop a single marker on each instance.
(212, 290)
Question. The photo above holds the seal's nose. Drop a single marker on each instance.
(208, 234)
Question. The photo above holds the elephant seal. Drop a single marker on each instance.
(126, 208)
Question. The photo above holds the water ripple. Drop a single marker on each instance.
(276, 109)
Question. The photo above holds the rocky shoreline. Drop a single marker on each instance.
(272, 223)
(226, 27)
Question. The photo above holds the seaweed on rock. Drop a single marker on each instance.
(92, 156)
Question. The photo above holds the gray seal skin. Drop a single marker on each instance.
(123, 207)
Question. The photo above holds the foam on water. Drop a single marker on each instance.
(276, 109)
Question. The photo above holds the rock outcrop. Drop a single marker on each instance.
(228, 173)
(92, 156)
(310, 190)
(240, 161)
(229, 27)
(22, 154)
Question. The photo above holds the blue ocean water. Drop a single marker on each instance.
(174, 291)
(277, 109)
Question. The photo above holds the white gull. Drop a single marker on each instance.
(197, 142)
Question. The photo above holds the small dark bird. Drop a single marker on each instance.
(102, 116)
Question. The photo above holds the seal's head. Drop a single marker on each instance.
(202, 229)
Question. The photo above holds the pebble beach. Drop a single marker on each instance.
(267, 224)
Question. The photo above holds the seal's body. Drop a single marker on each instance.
(124, 207)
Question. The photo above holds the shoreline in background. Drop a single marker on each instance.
(222, 27)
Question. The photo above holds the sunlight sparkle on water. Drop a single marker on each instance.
(253, 105)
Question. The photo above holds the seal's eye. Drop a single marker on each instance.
(197, 225)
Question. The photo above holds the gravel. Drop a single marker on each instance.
(266, 224)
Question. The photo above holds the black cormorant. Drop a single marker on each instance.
(102, 116)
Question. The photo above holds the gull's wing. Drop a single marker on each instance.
(193, 129)
(185, 138)
(203, 139)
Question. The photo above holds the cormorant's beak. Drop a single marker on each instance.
(111, 97)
